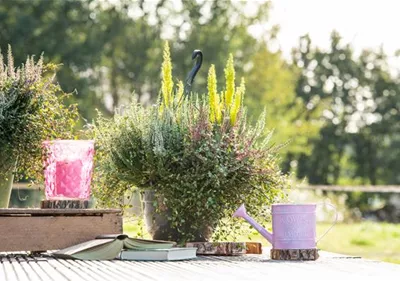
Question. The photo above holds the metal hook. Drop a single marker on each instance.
(198, 55)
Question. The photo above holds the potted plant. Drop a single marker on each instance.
(31, 110)
(196, 157)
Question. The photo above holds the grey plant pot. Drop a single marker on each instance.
(157, 223)
(6, 183)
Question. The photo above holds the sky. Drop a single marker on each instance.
(363, 23)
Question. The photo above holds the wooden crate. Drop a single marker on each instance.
(50, 229)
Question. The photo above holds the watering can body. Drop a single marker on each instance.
(293, 225)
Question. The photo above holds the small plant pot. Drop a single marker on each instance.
(6, 183)
(157, 223)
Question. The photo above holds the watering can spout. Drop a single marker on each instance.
(241, 213)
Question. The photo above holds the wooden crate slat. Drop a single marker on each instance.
(55, 212)
(50, 232)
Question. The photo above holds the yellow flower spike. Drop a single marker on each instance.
(221, 107)
(178, 101)
(218, 110)
(167, 83)
(234, 108)
(212, 93)
(237, 104)
(179, 92)
(230, 82)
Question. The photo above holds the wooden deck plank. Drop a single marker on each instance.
(42, 275)
(127, 270)
(2, 271)
(68, 271)
(249, 267)
(9, 270)
(103, 272)
(112, 268)
(175, 269)
(30, 273)
(19, 270)
(90, 270)
(52, 272)
(132, 266)
(75, 268)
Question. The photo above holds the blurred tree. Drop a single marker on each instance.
(217, 28)
(65, 31)
(340, 112)
(111, 48)
(270, 84)
(359, 103)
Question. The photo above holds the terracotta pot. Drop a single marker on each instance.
(157, 223)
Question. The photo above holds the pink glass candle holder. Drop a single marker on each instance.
(68, 166)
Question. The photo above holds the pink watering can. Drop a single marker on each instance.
(293, 225)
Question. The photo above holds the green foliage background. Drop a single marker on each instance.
(339, 110)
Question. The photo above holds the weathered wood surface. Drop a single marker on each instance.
(243, 268)
(218, 248)
(64, 204)
(55, 212)
(253, 248)
(226, 248)
(41, 230)
(295, 254)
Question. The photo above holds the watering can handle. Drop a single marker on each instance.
(333, 224)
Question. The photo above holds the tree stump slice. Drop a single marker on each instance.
(253, 248)
(226, 248)
(64, 204)
(218, 248)
(295, 254)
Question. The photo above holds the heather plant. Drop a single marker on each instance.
(31, 110)
(197, 152)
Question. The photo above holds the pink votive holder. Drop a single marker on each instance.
(68, 166)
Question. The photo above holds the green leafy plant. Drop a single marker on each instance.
(31, 110)
(198, 153)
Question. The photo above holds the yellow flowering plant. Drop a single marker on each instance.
(196, 152)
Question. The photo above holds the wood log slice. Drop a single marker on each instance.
(294, 254)
(253, 248)
(218, 248)
(226, 248)
(64, 204)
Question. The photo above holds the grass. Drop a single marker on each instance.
(371, 240)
